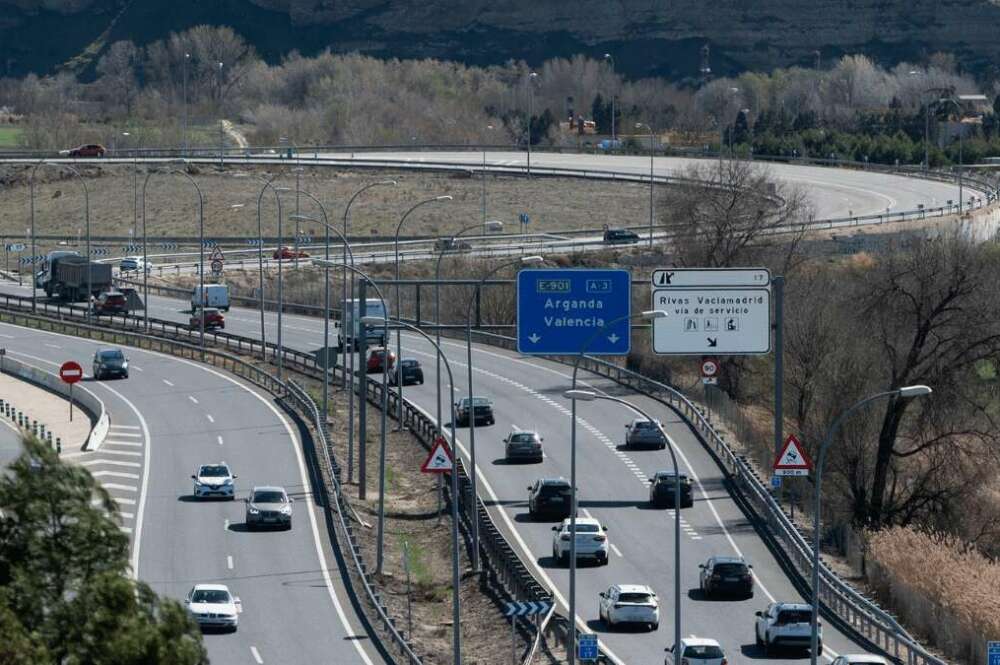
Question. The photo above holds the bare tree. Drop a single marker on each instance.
(119, 74)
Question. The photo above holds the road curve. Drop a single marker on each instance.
(176, 414)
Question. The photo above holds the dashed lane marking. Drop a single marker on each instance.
(210, 418)
(135, 427)
(229, 562)
(615, 549)
(219, 439)
(168, 383)
(256, 656)
(193, 398)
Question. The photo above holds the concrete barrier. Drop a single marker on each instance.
(90, 403)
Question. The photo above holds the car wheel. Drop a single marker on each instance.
(611, 624)
(819, 650)
(288, 527)
(654, 626)
(768, 648)
(125, 375)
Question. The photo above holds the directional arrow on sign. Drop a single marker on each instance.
(534, 338)
(613, 338)
(712, 342)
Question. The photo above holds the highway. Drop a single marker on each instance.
(613, 489)
(170, 416)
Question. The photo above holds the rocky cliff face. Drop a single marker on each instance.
(647, 36)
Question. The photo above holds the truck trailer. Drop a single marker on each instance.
(68, 278)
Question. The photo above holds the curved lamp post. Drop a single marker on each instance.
(455, 577)
(589, 396)
(86, 218)
(646, 316)
(652, 143)
(900, 393)
(524, 261)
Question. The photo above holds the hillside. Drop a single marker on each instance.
(647, 36)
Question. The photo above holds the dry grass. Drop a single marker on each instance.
(172, 202)
(942, 587)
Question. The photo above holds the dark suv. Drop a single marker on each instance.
(482, 407)
(550, 498)
(726, 575)
(407, 372)
(620, 237)
(661, 490)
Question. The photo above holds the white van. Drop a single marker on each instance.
(216, 295)
(348, 329)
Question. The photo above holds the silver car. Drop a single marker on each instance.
(642, 432)
(269, 506)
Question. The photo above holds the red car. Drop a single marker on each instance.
(288, 253)
(111, 303)
(89, 150)
(375, 359)
(213, 319)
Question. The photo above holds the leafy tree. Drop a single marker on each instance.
(65, 594)
(601, 114)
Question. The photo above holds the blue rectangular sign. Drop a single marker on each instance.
(587, 647)
(993, 653)
(558, 311)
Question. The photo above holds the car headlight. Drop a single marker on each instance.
(253, 511)
(287, 510)
(228, 481)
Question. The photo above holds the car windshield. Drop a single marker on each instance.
(703, 651)
(210, 596)
(668, 479)
(523, 437)
(214, 471)
(586, 528)
(645, 424)
(555, 490)
(635, 598)
(410, 363)
(730, 569)
(794, 616)
(477, 401)
(268, 496)
(111, 355)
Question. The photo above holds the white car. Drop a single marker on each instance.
(591, 541)
(860, 659)
(629, 603)
(786, 625)
(697, 651)
(214, 480)
(212, 606)
(132, 264)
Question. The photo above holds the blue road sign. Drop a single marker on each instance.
(524, 218)
(558, 311)
(776, 482)
(587, 647)
(993, 653)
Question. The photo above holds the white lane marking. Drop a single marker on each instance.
(126, 529)
(115, 474)
(615, 549)
(92, 462)
(8, 336)
(193, 398)
(138, 369)
(123, 453)
(127, 435)
(53, 346)
(136, 444)
(117, 486)
(125, 515)
(168, 383)
(229, 562)
(210, 418)
(256, 655)
(225, 525)
(220, 440)
(124, 502)
(125, 427)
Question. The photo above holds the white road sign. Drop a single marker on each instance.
(712, 320)
(687, 277)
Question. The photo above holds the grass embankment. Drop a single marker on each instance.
(9, 137)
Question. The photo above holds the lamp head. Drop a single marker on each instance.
(531, 260)
(915, 391)
(282, 190)
(581, 395)
(443, 198)
(302, 218)
(651, 314)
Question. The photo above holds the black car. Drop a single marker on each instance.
(110, 363)
(550, 498)
(482, 407)
(726, 575)
(408, 372)
(620, 237)
(661, 490)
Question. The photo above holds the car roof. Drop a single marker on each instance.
(554, 481)
(211, 587)
(202, 466)
(699, 642)
(802, 607)
(728, 559)
(582, 520)
(514, 429)
(669, 474)
(864, 657)
(268, 488)
(634, 588)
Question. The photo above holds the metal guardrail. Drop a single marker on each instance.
(501, 559)
(853, 611)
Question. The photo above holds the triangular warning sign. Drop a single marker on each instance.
(792, 456)
(217, 255)
(439, 461)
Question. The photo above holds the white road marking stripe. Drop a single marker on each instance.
(225, 525)
(138, 369)
(229, 562)
(220, 440)
(615, 549)
(192, 398)
(123, 501)
(115, 474)
(123, 453)
(125, 515)
(210, 418)
(127, 435)
(53, 346)
(168, 383)
(256, 655)
(116, 486)
(92, 462)
(125, 427)
(126, 529)
(134, 444)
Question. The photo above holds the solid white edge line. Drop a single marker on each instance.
(256, 655)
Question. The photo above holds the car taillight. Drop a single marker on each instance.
(725, 662)
(600, 539)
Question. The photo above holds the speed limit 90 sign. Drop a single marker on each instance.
(709, 370)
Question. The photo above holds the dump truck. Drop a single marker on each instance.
(68, 278)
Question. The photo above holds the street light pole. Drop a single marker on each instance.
(531, 112)
(652, 139)
(649, 316)
(399, 311)
(588, 396)
(608, 57)
(187, 57)
(906, 392)
(526, 260)
(86, 214)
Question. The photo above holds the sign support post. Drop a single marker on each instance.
(70, 372)
(778, 290)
